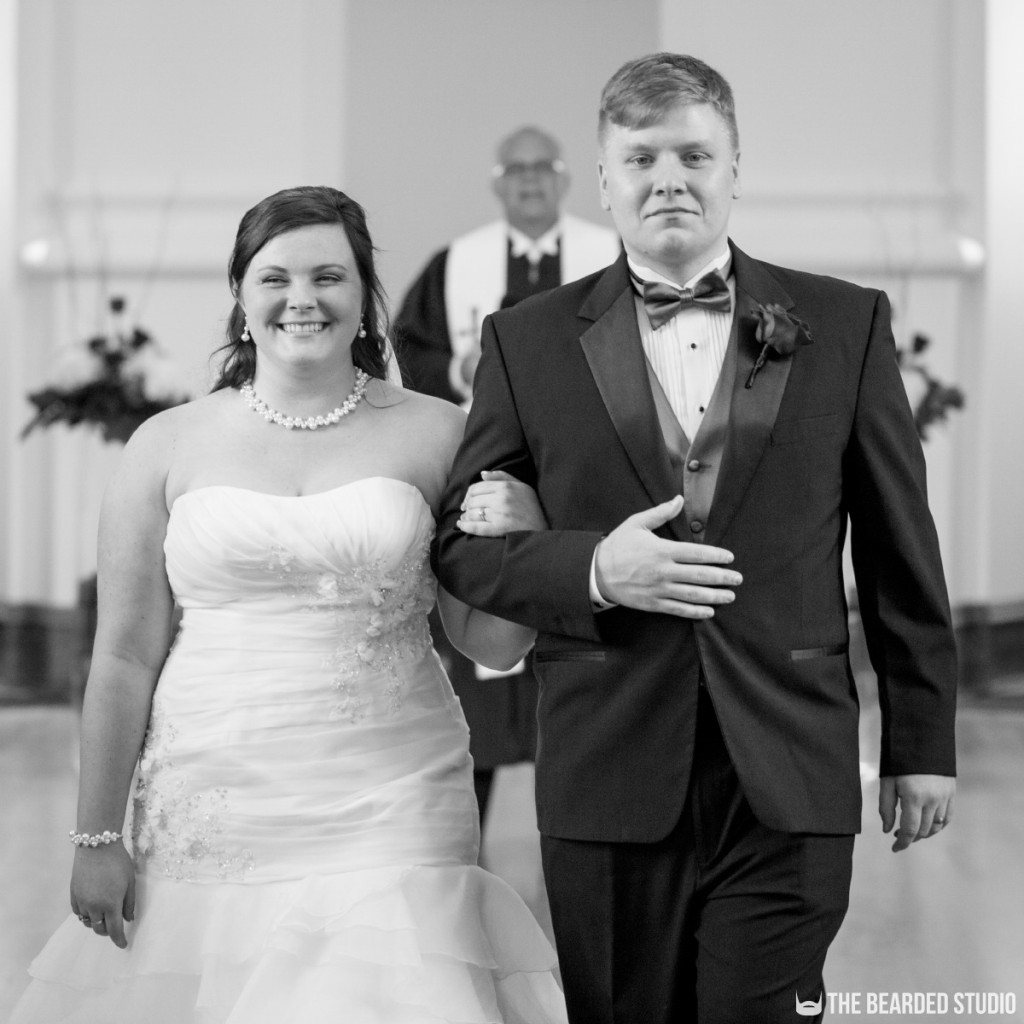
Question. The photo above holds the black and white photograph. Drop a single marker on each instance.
(510, 511)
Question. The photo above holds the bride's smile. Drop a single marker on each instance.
(303, 297)
(301, 327)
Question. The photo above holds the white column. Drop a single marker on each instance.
(10, 401)
(995, 530)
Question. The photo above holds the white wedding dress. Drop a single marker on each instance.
(304, 824)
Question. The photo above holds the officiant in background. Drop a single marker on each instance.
(533, 247)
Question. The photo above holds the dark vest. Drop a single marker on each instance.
(696, 463)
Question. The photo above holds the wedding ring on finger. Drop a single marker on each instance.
(482, 514)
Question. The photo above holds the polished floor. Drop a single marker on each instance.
(945, 917)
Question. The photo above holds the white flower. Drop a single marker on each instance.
(76, 365)
(159, 376)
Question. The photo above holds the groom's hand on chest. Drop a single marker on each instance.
(637, 569)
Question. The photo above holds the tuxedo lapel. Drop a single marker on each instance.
(754, 409)
(616, 358)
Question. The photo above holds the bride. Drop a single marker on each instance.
(302, 831)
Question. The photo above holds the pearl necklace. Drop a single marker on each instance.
(310, 422)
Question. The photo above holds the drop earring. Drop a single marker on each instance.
(362, 330)
(245, 335)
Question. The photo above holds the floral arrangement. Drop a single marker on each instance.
(115, 381)
(930, 398)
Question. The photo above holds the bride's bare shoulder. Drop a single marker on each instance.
(420, 412)
(197, 414)
(163, 436)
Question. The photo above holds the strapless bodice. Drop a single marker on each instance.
(358, 550)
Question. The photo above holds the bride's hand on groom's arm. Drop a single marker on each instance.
(637, 569)
(500, 504)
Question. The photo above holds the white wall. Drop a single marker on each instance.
(10, 377)
(436, 85)
(994, 486)
(145, 130)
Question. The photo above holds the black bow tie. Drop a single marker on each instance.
(663, 301)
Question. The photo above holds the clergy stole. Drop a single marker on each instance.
(524, 279)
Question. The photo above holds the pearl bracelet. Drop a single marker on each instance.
(84, 839)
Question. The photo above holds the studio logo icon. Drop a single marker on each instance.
(808, 1008)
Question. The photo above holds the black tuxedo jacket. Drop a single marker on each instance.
(824, 438)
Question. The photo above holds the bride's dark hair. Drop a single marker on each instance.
(284, 211)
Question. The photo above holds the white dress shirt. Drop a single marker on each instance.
(686, 354)
(535, 248)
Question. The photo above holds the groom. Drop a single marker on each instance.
(697, 770)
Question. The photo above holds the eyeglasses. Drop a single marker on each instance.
(521, 170)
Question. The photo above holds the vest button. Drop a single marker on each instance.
(693, 465)
(696, 526)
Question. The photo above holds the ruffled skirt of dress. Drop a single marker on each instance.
(394, 945)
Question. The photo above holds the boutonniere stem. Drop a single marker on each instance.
(776, 330)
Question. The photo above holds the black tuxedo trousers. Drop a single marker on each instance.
(723, 921)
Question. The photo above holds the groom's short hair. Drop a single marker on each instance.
(644, 90)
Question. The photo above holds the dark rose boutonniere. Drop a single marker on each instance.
(778, 330)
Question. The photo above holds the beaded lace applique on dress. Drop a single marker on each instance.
(379, 612)
(175, 831)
